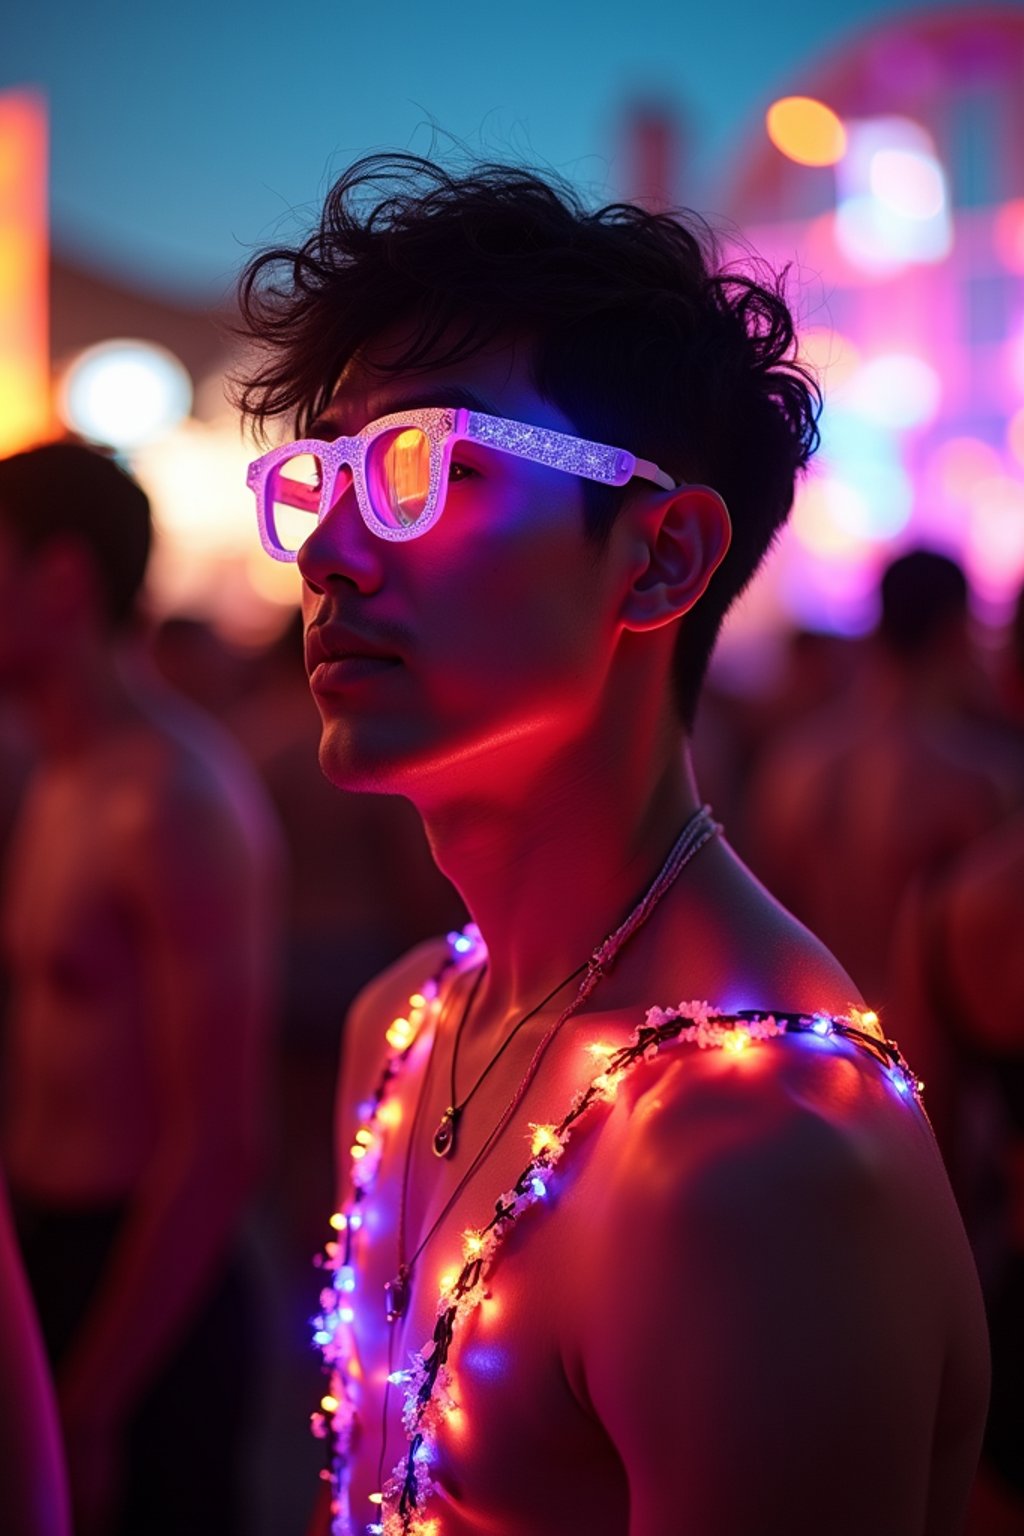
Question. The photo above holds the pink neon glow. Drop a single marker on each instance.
(995, 542)
(1008, 234)
(1015, 435)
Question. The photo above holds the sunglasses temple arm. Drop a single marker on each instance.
(648, 471)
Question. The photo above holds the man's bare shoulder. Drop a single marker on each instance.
(790, 1231)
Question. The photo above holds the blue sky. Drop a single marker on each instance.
(183, 136)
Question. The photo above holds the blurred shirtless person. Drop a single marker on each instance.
(958, 998)
(740, 1299)
(138, 933)
(888, 781)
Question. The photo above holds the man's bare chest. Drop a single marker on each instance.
(66, 908)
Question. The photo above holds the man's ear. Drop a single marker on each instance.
(682, 537)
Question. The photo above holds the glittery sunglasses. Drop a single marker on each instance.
(399, 467)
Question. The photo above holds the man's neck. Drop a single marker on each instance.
(549, 876)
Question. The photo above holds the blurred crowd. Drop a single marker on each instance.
(166, 832)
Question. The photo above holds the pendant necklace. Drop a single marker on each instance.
(447, 1130)
(396, 1291)
(699, 829)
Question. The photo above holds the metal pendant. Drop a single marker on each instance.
(396, 1295)
(444, 1136)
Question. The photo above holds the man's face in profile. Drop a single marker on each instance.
(475, 652)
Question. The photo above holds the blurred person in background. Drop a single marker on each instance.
(33, 1481)
(887, 781)
(958, 1002)
(748, 1304)
(139, 933)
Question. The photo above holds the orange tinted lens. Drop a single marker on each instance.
(398, 476)
(293, 499)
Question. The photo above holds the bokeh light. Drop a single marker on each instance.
(124, 393)
(908, 182)
(1008, 234)
(833, 357)
(1015, 435)
(893, 207)
(959, 464)
(897, 390)
(806, 130)
(994, 551)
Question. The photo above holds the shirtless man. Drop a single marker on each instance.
(139, 936)
(742, 1301)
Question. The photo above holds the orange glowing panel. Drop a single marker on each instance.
(806, 130)
(24, 330)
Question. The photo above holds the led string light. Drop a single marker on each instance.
(400, 1508)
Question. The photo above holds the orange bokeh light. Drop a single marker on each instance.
(806, 130)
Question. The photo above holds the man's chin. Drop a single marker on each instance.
(349, 766)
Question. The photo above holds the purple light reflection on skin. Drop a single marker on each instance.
(486, 1360)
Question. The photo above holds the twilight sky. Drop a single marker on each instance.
(185, 135)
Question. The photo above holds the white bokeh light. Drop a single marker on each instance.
(125, 393)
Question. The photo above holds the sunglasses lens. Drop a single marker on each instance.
(293, 500)
(398, 476)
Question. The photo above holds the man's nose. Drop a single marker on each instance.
(342, 548)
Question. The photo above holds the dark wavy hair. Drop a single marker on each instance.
(68, 489)
(639, 334)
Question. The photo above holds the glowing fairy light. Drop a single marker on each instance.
(735, 1041)
(328, 1403)
(472, 1245)
(338, 1221)
(543, 1139)
(400, 1034)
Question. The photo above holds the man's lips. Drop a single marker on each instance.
(325, 645)
(339, 672)
(337, 656)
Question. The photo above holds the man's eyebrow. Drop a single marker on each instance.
(455, 396)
